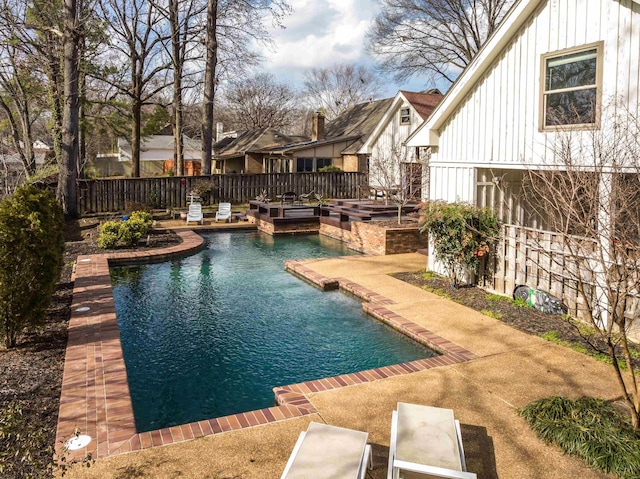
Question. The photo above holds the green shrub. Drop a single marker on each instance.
(328, 169)
(590, 429)
(115, 234)
(491, 314)
(31, 249)
(462, 233)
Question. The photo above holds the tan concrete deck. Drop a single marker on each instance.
(512, 369)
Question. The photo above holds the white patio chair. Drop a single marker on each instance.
(195, 213)
(224, 212)
(426, 442)
(329, 452)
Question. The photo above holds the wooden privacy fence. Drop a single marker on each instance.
(542, 260)
(116, 194)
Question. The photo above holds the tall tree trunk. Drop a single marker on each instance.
(67, 187)
(136, 111)
(176, 45)
(209, 86)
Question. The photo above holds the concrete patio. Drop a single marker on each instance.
(512, 369)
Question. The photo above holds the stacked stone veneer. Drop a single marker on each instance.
(371, 238)
(276, 226)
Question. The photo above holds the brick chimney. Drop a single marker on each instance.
(317, 131)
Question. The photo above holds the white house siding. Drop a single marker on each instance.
(388, 146)
(497, 123)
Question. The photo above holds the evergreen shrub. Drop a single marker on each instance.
(31, 252)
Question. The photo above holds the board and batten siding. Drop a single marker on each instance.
(497, 124)
(394, 133)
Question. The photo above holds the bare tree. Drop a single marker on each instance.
(231, 26)
(590, 200)
(434, 37)
(394, 174)
(139, 34)
(259, 102)
(338, 87)
(183, 16)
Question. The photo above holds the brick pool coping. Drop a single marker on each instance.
(95, 398)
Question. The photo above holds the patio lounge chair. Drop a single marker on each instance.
(306, 197)
(195, 213)
(224, 212)
(426, 442)
(329, 452)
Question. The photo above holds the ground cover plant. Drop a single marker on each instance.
(516, 313)
(32, 370)
(591, 429)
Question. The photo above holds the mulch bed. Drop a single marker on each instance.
(32, 371)
(524, 318)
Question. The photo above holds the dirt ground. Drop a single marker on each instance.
(524, 318)
(32, 371)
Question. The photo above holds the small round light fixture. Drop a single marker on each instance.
(78, 442)
(83, 309)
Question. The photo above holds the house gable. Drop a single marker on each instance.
(392, 128)
(491, 115)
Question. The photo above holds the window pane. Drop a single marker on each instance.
(304, 165)
(571, 108)
(570, 71)
(322, 162)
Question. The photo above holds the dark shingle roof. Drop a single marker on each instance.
(424, 103)
(361, 119)
(254, 140)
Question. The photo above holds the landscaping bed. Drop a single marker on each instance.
(556, 328)
(32, 371)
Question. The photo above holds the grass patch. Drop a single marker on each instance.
(491, 314)
(429, 275)
(495, 297)
(603, 358)
(590, 429)
(519, 302)
(440, 292)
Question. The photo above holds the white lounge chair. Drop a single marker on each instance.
(426, 442)
(195, 213)
(224, 212)
(329, 452)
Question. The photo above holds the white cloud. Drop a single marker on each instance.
(321, 32)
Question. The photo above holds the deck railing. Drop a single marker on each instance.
(116, 194)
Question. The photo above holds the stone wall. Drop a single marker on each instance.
(370, 238)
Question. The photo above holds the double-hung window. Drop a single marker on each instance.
(405, 116)
(572, 80)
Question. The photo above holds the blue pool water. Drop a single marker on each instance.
(211, 334)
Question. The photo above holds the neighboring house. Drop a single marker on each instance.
(335, 144)
(244, 152)
(552, 66)
(156, 157)
(390, 162)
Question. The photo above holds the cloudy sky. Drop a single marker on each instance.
(321, 32)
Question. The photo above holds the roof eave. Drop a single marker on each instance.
(489, 52)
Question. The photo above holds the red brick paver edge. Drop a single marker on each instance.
(374, 305)
(95, 398)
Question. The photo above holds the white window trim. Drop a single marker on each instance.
(599, 48)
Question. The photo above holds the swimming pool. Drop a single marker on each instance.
(211, 334)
